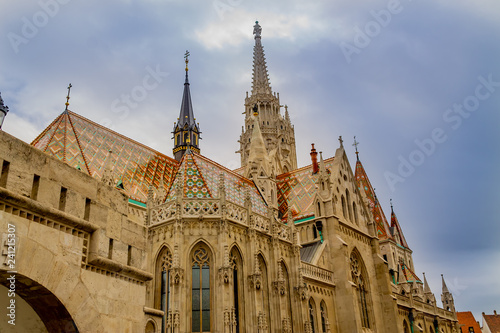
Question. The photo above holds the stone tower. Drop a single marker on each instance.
(276, 130)
(447, 297)
(186, 130)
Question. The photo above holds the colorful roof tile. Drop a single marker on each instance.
(397, 228)
(409, 275)
(364, 185)
(296, 191)
(84, 144)
(200, 177)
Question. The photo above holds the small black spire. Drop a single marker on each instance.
(186, 130)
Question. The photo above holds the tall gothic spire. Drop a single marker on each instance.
(186, 130)
(260, 84)
(276, 130)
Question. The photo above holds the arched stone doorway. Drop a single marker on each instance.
(47, 306)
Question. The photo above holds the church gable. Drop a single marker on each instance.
(297, 190)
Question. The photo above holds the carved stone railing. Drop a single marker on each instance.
(284, 231)
(200, 207)
(163, 213)
(317, 273)
(236, 213)
(261, 223)
(424, 307)
(403, 300)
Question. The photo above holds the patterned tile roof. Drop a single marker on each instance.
(467, 320)
(84, 144)
(296, 191)
(200, 177)
(364, 185)
(410, 276)
(396, 226)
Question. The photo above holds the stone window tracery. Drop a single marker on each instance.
(200, 290)
(359, 279)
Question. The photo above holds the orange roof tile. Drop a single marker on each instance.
(465, 320)
(493, 322)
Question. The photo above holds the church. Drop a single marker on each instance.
(112, 236)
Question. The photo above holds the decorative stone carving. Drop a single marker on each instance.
(177, 275)
(262, 322)
(280, 284)
(301, 290)
(255, 279)
(287, 325)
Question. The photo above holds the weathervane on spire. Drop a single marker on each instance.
(257, 29)
(186, 59)
(67, 97)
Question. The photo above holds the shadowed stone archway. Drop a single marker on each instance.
(49, 308)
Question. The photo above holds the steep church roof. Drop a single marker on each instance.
(364, 185)
(200, 177)
(296, 191)
(398, 232)
(409, 275)
(84, 144)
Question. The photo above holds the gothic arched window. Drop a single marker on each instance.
(359, 278)
(344, 211)
(237, 266)
(348, 199)
(200, 290)
(406, 329)
(163, 266)
(312, 314)
(355, 212)
(324, 317)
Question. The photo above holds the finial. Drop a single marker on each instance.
(391, 206)
(186, 59)
(257, 30)
(67, 97)
(341, 141)
(355, 144)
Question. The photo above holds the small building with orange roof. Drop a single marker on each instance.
(467, 322)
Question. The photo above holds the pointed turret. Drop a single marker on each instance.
(429, 296)
(186, 130)
(396, 230)
(260, 83)
(427, 289)
(277, 131)
(447, 297)
(258, 158)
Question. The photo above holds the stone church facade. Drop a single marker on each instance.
(113, 236)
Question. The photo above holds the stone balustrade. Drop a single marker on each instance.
(317, 273)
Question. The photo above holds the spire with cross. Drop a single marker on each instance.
(186, 130)
(341, 141)
(67, 97)
(186, 59)
(355, 144)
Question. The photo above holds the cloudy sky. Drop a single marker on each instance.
(417, 82)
